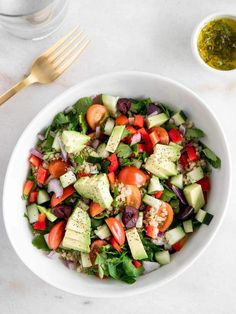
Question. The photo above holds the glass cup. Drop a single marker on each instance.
(32, 19)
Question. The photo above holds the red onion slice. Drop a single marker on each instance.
(179, 194)
(98, 131)
(150, 266)
(36, 153)
(68, 109)
(135, 139)
(95, 143)
(50, 254)
(55, 186)
(40, 137)
(182, 130)
(63, 152)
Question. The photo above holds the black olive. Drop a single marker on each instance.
(62, 211)
(130, 217)
(124, 105)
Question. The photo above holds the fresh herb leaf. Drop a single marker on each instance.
(94, 160)
(115, 191)
(140, 106)
(166, 109)
(211, 157)
(60, 119)
(78, 158)
(167, 195)
(125, 133)
(126, 162)
(47, 144)
(82, 105)
(174, 203)
(123, 150)
(40, 243)
(193, 133)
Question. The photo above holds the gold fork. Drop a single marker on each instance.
(52, 63)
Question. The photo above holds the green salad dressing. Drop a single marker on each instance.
(217, 44)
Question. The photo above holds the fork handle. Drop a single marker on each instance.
(16, 88)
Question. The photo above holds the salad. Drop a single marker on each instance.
(117, 185)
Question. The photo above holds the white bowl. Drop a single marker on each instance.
(132, 84)
(194, 40)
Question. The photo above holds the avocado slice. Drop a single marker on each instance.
(156, 120)
(162, 168)
(74, 141)
(169, 152)
(135, 244)
(194, 196)
(96, 188)
(78, 228)
(115, 138)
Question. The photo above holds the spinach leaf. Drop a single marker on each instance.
(140, 106)
(105, 165)
(83, 123)
(82, 105)
(123, 150)
(166, 110)
(211, 157)
(40, 243)
(193, 133)
(167, 195)
(46, 145)
(94, 160)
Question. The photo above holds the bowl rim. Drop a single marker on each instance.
(181, 269)
(195, 35)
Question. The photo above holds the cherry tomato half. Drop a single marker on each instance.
(162, 135)
(96, 114)
(116, 229)
(134, 196)
(132, 175)
(58, 167)
(95, 249)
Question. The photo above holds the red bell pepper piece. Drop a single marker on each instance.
(111, 177)
(184, 160)
(139, 121)
(83, 174)
(205, 183)
(114, 164)
(28, 186)
(150, 231)
(41, 175)
(178, 245)
(141, 148)
(192, 153)
(158, 194)
(131, 129)
(154, 137)
(175, 136)
(122, 120)
(116, 245)
(33, 197)
(136, 263)
(66, 193)
(144, 134)
(35, 161)
(41, 223)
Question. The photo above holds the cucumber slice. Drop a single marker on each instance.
(162, 257)
(155, 185)
(68, 178)
(139, 223)
(46, 238)
(48, 213)
(82, 205)
(85, 260)
(177, 181)
(137, 163)
(203, 217)
(188, 226)
(33, 213)
(110, 102)
(103, 232)
(42, 197)
(157, 120)
(195, 175)
(174, 235)
(179, 118)
(102, 152)
(56, 143)
(110, 123)
(151, 201)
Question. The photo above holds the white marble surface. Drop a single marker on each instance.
(150, 35)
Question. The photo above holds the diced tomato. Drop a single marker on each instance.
(122, 120)
(205, 183)
(41, 223)
(117, 229)
(158, 194)
(56, 235)
(58, 167)
(95, 209)
(162, 133)
(83, 174)
(136, 263)
(144, 134)
(139, 121)
(114, 163)
(154, 137)
(33, 197)
(35, 161)
(111, 177)
(115, 245)
(28, 186)
(184, 160)
(41, 175)
(178, 245)
(141, 148)
(131, 129)
(151, 231)
(175, 136)
(66, 193)
(192, 153)
(95, 249)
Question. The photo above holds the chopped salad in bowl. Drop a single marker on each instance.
(118, 185)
